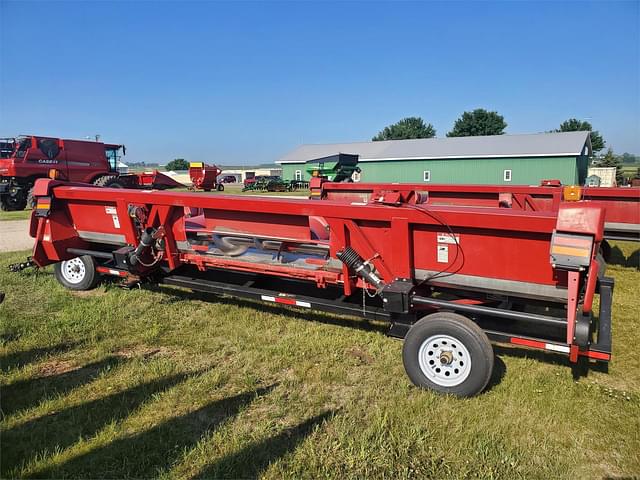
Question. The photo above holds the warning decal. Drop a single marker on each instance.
(448, 238)
(443, 253)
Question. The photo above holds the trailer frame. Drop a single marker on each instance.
(369, 266)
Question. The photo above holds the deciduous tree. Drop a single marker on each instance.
(478, 122)
(575, 125)
(178, 164)
(410, 127)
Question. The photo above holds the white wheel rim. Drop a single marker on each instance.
(73, 270)
(444, 360)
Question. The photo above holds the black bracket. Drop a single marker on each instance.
(396, 296)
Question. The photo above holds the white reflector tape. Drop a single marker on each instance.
(557, 348)
(285, 301)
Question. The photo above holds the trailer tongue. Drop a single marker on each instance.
(447, 278)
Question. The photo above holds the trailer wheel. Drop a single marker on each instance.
(220, 187)
(78, 273)
(448, 353)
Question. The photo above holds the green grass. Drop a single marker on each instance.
(165, 383)
(20, 215)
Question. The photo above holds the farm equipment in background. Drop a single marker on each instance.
(25, 159)
(337, 168)
(447, 279)
(273, 183)
(205, 177)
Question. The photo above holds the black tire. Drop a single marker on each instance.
(12, 203)
(220, 187)
(110, 181)
(427, 337)
(605, 250)
(31, 200)
(79, 273)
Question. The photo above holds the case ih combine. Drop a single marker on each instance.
(25, 159)
(447, 278)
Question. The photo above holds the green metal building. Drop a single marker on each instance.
(497, 159)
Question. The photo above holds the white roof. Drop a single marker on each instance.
(560, 144)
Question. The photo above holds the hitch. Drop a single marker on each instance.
(18, 267)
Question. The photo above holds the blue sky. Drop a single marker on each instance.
(246, 82)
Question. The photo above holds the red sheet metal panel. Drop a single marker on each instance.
(621, 204)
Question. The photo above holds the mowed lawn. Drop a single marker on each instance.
(17, 215)
(166, 383)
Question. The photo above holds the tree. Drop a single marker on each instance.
(178, 164)
(478, 122)
(575, 125)
(410, 127)
(628, 158)
(611, 160)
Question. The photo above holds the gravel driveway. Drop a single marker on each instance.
(14, 236)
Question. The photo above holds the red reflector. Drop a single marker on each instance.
(596, 355)
(286, 301)
(527, 343)
(111, 271)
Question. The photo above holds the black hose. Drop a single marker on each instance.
(352, 260)
(146, 240)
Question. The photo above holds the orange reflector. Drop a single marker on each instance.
(195, 165)
(53, 173)
(573, 251)
(572, 193)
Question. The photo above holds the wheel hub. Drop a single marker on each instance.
(73, 270)
(446, 357)
(444, 360)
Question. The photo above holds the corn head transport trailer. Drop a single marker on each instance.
(621, 204)
(448, 279)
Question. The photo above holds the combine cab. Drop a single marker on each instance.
(25, 159)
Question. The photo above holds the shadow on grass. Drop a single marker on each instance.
(27, 393)
(360, 324)
(24, 357)
(254, 459)
(499, 371)
(578, 370)
(59, 430)
(617, 257)
(148, 453)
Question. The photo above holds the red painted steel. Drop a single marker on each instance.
(622, 204)
(203, 176)
(481, 249)
(76, 161)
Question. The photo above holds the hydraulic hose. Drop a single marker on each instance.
(352, 260)
(146, 240)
